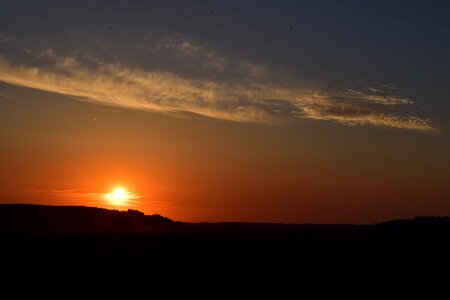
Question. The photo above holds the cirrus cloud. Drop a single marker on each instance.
(247, 98)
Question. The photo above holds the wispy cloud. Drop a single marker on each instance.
(98, 198)
(358, 108)
(250, 97)
(77, 196)
(182, 47)
(74, 196)
(7, 38)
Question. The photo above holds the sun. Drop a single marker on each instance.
(121, 197)
(118, 196)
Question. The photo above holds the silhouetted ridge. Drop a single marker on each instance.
(423, 224)
(42, 218)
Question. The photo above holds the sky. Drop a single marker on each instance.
(260, 111)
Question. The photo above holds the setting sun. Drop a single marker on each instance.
(118, 196)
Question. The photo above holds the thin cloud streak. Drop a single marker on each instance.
(251, 99)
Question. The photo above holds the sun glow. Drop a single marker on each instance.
(119, 196)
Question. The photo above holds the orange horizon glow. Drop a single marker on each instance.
(119, 196)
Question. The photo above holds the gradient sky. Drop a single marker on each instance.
(274, 111)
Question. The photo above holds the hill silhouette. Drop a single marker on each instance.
(43, 218)
(92, 253)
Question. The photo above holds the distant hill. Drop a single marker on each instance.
(43, 218)
(74, 252)
(422, 225)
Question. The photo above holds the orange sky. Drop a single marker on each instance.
(55, 150)
(242, 115)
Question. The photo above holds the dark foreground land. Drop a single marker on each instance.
(89, 253)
